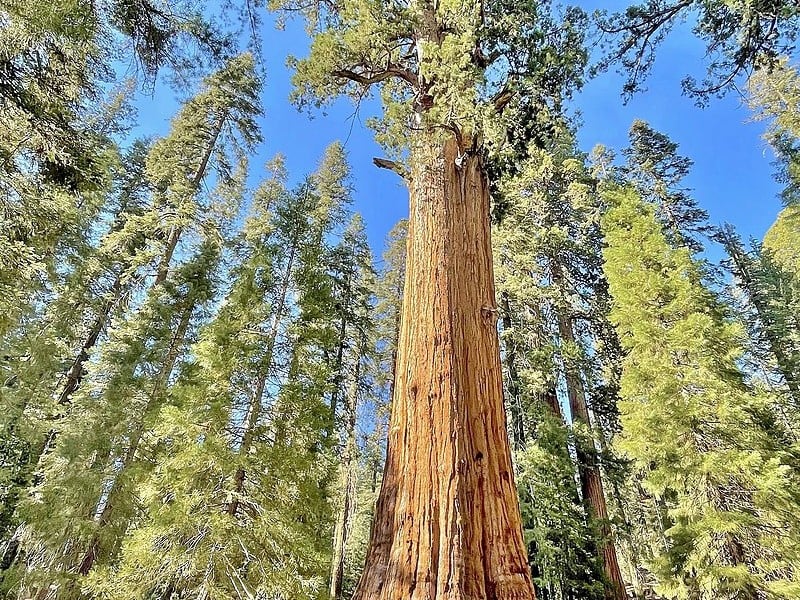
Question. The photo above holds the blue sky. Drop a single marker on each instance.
(731, 178)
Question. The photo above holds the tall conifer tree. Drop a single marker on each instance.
(444, 70)
(704, 443)
(211, 131)
(547, 245)
(353, 276)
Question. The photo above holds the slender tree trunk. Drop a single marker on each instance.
(176, 343)
(73, 377)
(549, 397)
(785, 354)
(11, 548)
(93, 550)
(173, 238)
(176, 231)
(92, 553)
(254, 409)
(447, 524)
(338, 361)
(725, 498)
(349, 463)
(75, 373)
(548, 400)
(515, 396)
(250, 422)
(591, 482)
(170, 589)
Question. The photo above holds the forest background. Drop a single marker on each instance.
(198, 344)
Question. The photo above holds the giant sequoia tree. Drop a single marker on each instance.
(447, 521)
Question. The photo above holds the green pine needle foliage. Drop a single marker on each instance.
(707, 446)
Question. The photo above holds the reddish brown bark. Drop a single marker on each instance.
(591, 482)
(447, 524)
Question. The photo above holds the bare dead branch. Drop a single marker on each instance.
(385, 163)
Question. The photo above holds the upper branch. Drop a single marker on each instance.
(370, 78)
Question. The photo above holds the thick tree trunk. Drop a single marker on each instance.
(591, 483)
(447, 524)
(344, 519)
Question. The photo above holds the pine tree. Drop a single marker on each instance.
(98, 455)
(237, 501)
(546, 247)
(353, 278)
(654, 166)
(56, 63)
(92, 290)
(378, 374)
(706, 445)
(774, 95)
(768, 273)
(771, 302)
(139, 233)
(215, 124)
